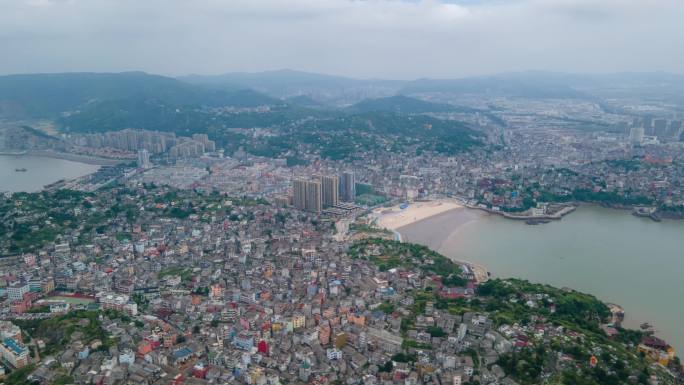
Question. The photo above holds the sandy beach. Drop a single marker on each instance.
(407, 223)
(435, 230)
(394, 217)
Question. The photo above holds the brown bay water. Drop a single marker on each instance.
(633, 262)
(40, 171)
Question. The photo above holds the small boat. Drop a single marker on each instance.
(20, 169)
(534, 222)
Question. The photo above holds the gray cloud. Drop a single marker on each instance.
(372, 38)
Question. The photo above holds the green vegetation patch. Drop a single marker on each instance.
(388, 254)
(56, 332)
(184, 273)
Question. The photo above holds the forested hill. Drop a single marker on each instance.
(400, 104)
(100, 102)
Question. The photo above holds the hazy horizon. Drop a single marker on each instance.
(376, 39)
(297, 71)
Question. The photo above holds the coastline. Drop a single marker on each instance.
(34, 172)
(653, 213)
(558, 215)
(395, 219)
(549, 267)
(12, 153)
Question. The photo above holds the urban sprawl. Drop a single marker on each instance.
(186, 264)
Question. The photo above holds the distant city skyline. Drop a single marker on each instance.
(360, 39)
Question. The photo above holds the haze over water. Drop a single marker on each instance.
(633, 262)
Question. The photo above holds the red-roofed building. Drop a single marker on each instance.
(655, 343)
(263, 348)
(452, 292)
(200, 371)
(144, 348)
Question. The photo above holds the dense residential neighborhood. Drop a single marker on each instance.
(235, 236)
(153, 285)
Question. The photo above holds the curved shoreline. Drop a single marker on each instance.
(638, 308)
(480, 272)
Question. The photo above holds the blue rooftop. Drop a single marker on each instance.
(13, 345)
(183, 352)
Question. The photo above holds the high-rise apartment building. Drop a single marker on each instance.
(313, 196)
(330, 189)
(209, 145)
(187, 149)
(131, 140)
(348, 186)
(299, 194)
(636, 136)
(307, 195)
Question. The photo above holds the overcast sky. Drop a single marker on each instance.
(373, 38)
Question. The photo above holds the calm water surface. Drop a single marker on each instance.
(633, 262)
(40, 171)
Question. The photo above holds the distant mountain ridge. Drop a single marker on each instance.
(99, 101)
(347, 91)
(501, 85)
(272, 79)
(329, 89)
(49, 95)
(341, 90)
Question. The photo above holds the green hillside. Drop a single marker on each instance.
(401, 104)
